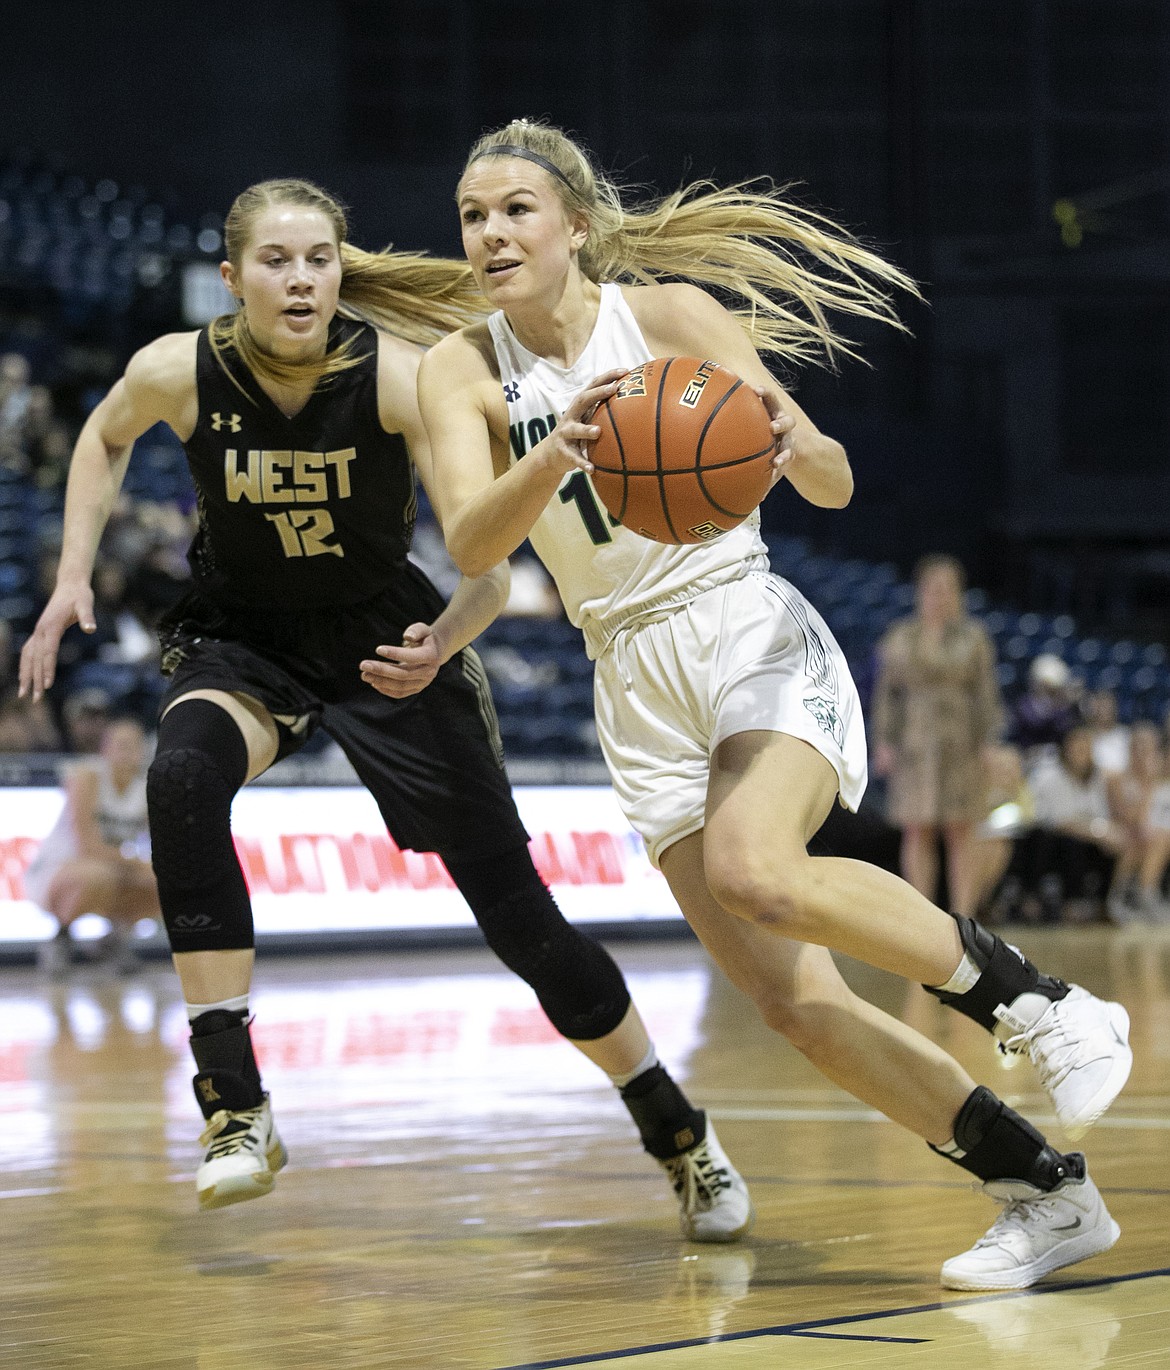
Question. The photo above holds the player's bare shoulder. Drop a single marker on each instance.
(165, 366)
(467, 356)
(158, 385)
(398, 362)
(672, 315)
(396, 356)
(464, 364)
(160, 381)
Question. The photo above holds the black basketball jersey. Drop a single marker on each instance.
(312, 511)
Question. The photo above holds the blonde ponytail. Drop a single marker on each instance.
(414, 296)
(785, 267)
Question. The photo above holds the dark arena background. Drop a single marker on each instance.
(463, 1189)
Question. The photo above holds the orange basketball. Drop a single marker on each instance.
(685, 452)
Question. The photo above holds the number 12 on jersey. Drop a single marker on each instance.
(303, 532)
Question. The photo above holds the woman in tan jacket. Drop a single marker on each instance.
(936, 710)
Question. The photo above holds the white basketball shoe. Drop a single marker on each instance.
(714, 1203)
(244, 1152)
(1036, 1233)
(1079, 1046)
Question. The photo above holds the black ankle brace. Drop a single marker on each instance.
(1006, 974)
(665, 1118)
(995, 1143)
(228, 1075)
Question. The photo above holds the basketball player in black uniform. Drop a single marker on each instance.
(302, 432)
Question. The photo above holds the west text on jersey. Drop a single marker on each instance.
(273, 477)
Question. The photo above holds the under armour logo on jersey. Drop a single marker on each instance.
(512, 391)
(218, 421)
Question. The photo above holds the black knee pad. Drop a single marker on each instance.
(577, 982)
(995, 1143)
(1007, 973)
(200, 763)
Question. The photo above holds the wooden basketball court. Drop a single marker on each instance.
(465, 1191)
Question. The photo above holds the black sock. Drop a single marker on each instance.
(995, 1143)
(1005, 974)
(228, 1075)
(667, 1121)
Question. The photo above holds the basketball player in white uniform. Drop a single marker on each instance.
(724, 707)
(91, 860)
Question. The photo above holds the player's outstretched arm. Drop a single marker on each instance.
(159, 386)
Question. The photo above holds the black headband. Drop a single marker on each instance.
(511, 150)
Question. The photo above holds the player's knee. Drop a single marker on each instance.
(761, 891)
(576, 981)
(810, 1019)
(200, 763)
(188, 800)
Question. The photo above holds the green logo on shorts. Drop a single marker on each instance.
(825, 712)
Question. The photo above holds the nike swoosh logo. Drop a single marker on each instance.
(1069, 1227)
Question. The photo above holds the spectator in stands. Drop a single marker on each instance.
(1110, 738)
(7, 656)
(1046, 711)
(1166, 739)
(121, 637)
(1076, 840)
(26, 725)
(1011, 814)
(936, 711)
(14, 397)
(93, 859)
(45, 440)
(85, 714)
(1139, 802)
(159, 580)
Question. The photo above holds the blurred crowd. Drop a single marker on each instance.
(34, 441)
(1050, 810)
(1085, 833)
(140, 572)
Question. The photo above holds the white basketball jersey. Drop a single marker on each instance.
(606, 574)
(120, 817)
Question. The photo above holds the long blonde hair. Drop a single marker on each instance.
(786, 267)
(417, 297)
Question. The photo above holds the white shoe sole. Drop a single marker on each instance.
(1024, 1276)
(235, 1189)
(693, 1234)
(1114, 1081)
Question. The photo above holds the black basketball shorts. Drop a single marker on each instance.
(433, 762)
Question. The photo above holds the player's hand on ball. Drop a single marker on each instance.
(567, 444)
(783, 424)
(405, 670)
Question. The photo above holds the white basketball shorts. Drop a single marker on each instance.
(751, 654)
